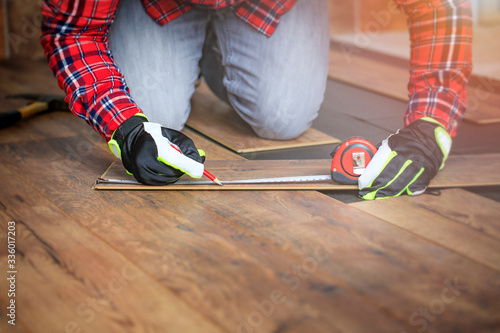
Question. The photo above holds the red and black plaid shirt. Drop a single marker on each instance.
(74, 36)
(441, 59)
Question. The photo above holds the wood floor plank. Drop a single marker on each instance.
(460, 171)
(213, 150)
(219, 121)
(69, 279)
(242, 246)
(5, 327)
(363, 72)
(38, 127)
(390, 79)
(367, 252)
(393, 268)
(65, 124)
(458, 220)
(396, 44)
(216, 266)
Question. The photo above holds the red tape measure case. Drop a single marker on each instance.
(350, 158)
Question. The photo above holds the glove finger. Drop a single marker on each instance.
(420, 184)
(147, 169)
(385, 177)
(387, 174)
(185, 144)
(156, 173)
(149, 177)
(401, 181)
(171, 156)
(202, 154)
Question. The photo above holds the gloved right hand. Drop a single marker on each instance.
(406, 161)
(153, 154)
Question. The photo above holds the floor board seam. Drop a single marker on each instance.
(323, 274)
(432, 241)
(126, 258)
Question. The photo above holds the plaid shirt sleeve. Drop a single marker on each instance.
(441, 47)
(74, 37)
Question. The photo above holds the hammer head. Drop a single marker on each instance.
(55, 102)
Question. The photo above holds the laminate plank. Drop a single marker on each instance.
(485, 47)
(213, 150)
(460, 171)
(458, 220)
(349, 65)
(391, 267)
(37, 127)
(483, 102)
(221, 123)
(25, 76)
(5, 327)
(22, 76)
(66, 124)
(219, 268)
(69, 279)
(240, 169)
(12, 194)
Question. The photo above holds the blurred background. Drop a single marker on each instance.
(20, 22)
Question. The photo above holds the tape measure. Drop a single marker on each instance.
(350, 158)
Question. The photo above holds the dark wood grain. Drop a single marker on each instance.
(69, 278)
(21, 76)
(206, 261)
(217, 267)
(391, 267)
(458, 220)
(389, 78)
(24, 29)
(221, 123)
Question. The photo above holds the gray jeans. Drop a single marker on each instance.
(275, 84)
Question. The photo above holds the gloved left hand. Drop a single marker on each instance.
(153, 154)
(406, 161)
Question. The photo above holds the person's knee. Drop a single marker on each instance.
(284, 119)
(277, 110)
(280, 129)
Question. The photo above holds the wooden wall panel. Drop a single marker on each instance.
(3, 31)
(341, 16)
(24, 18)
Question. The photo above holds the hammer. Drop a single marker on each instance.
(39, 103)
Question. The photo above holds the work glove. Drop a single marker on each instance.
(153, 154)
(406, 161)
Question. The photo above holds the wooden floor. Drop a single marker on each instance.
(260, 261)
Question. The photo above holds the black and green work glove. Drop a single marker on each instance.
(153, 154)
(406, 161)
